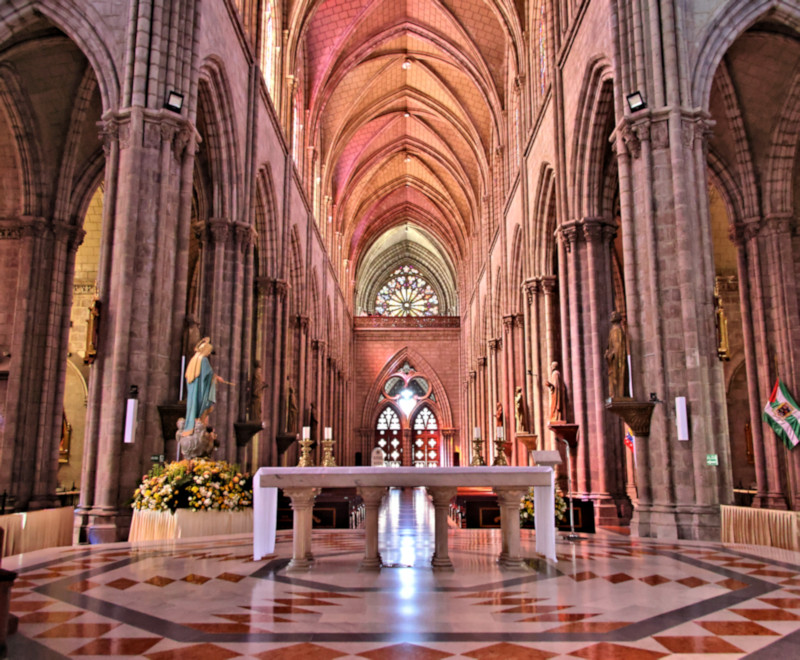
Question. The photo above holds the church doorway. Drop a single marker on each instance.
(427, 439)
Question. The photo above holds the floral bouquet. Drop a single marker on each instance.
(199, 484)
(526, 507)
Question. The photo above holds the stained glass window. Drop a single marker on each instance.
(407, 294)
(426, 440)
(268, 53)
(388, 428)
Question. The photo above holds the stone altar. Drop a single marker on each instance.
(509, 483)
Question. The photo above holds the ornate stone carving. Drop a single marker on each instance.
(659, 134)
(549, 284)
(636, 414)
(568, 234)
(631, 140)
(494, 344)
(280, 288)
(10, 233)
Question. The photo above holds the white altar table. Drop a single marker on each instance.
(302, 485)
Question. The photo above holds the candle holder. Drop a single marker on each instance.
(327, 449)
(477, 453)
(499, 448)
(305, 453)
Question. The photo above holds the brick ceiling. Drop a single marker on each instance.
(404, 103)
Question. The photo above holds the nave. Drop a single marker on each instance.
(608, 596)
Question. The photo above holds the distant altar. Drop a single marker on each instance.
(302, 485)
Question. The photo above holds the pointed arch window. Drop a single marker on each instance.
(388, 435)
(268, 46)
(426, 439)
(407, 294)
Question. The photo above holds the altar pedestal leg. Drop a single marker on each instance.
(302, 505)
(441, 504)
(509, 499)
(372, 497)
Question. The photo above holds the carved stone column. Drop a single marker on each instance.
(372, 497)
(302, 500)
(441, 504)
(509, 499)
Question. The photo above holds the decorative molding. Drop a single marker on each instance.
(636, 414)
(405, 322)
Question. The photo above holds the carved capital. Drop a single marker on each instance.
(508, 323)
(777, 224)
(630, 140)
(519, 320)
(549, 284)
(568, 233)
(280, 288)
(243, 235)
(109, 133)
(219, 229)
(482, 361)
(261, 285)
(473, 375)
(494, 344)
(303, 323)
(531, 288)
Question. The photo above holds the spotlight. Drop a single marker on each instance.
(406, 64)
(174, 101)
(636, 101)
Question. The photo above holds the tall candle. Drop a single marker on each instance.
(477, 433)
(328, 433)
(306, 432)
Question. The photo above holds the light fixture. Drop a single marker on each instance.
(174, 101)
(406, 64)
(406, 114)
(636, 101)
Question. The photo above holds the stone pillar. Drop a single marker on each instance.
(302, 507)
(441, 504)
(548, 287)
(509, 499)
(372, 497)
(483, 404)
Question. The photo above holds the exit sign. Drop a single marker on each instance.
(712, 459)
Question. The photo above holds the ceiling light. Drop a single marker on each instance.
(406, 64)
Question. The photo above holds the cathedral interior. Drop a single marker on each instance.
(439, 228)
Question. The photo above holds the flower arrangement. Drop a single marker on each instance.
(199, 484)
(526, 507)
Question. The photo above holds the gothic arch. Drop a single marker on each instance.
(590, 139)
(266, 221)
(783, 155)
(543, 225)
(729, 22)
(372, 401)
(79, 26)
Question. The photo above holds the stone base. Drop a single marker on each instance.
(687, 522)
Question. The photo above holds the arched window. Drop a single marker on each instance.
(406, 294)
(388, 435)
(542, 49)
(268, 46)
(426, 439)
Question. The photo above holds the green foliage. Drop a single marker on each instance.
(526, 507)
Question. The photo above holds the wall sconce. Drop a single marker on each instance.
(636, 101)
(174, 101)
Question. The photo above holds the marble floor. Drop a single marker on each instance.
(608, 597)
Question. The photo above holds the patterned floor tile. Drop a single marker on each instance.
(194, 652)
(159, 581)
(49, 617)
(730, 628)
(19, 606)
(731, 584)
(114, 646)
(606, 651)
(589, 627)
(405, 652)
(195, 579)
(766, 614)
(618, 577)
(506, 651)
(122, 584)
(783, 603)
(304, 651)
(708, 644)
(559, 617)
(231, 577)
(654, 580)
(88, 630)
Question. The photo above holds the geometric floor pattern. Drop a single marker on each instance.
(609, 596)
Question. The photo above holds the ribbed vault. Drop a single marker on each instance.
(403, 104)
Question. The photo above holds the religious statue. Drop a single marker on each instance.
(257, 387)
(519, 410)
(191, 335)
(201, 387)
(721, 323)
(199, 444)
(92, 332)
(313, 421)
(557, 394)
(498, 414)
(291, 408)
(617, 357)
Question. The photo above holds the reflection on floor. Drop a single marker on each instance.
(610, 596)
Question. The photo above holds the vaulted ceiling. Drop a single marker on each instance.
(404, 104)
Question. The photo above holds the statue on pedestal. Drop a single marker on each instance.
(291, 408)
(313, 420)
(519, 410)
(201, 387)
(498, 414)
(617, 358)
(557, 394)
(257, 387)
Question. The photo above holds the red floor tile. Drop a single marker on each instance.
(195, 652)
(506, 651)
(114, 646)
(766, 614)
(405, 652)
(606, 651)
(48, 617)
(590, 627)
(709, 644)
(88, 630)
(730, 628)
(304, 651)
(783, 603)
